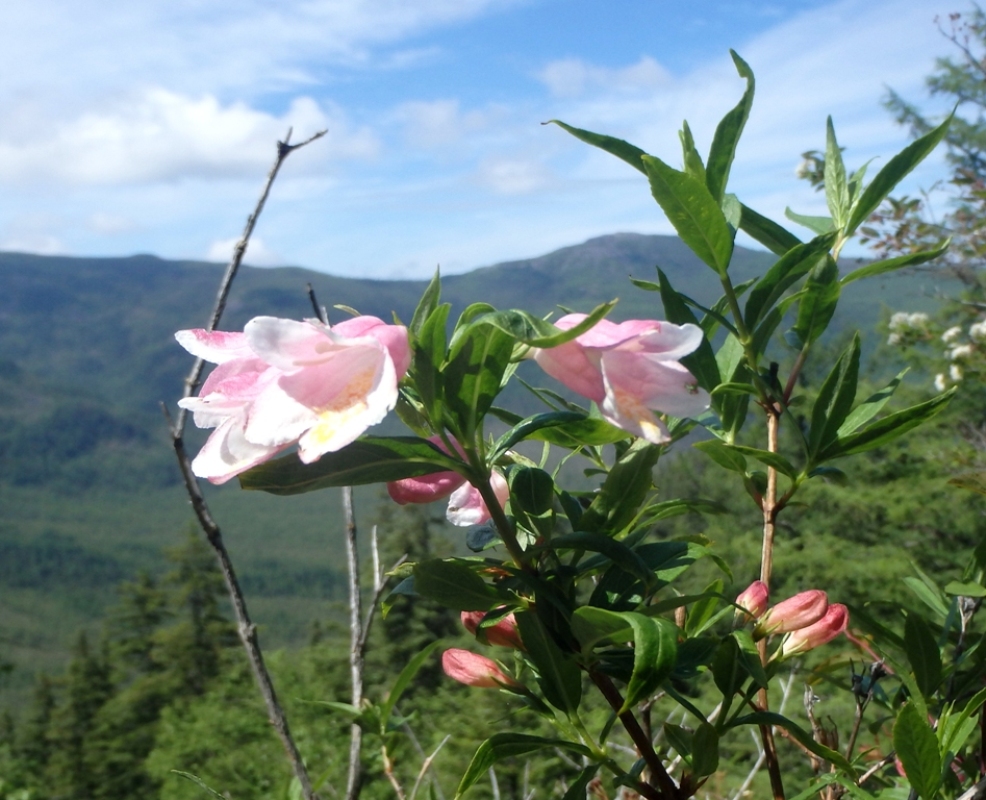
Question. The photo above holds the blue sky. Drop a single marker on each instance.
(148, 127)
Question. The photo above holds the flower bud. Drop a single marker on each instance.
(833, 623)
(475, 670)
(503, 633)
(789, 615)
(752, 601)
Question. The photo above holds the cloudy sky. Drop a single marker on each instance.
(147, 127)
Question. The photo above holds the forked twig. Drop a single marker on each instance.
(247, 630)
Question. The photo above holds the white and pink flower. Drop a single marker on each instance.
(630, 370)
(283, 382)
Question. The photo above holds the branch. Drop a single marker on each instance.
(245, 627)
(356, 644)
(283, 151)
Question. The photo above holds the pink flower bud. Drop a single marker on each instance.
(504, 633)
(475, 670)
(427, 488)
(833, 623)
(752, 600)
(796, 612)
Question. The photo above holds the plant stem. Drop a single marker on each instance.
(668, 789)
(355, 775)
(502, 524)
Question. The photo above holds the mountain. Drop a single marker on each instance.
(89, 492)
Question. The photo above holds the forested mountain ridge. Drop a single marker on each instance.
(88, 488)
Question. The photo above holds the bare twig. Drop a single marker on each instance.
(283, 151)
(356, 646)
(875, 768)
(247, 630)
(426, 765)
(762, 754)
(494, 784)
(320, 311)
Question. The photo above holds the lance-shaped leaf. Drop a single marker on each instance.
(691, 159)
(819, 225)
(959, 726)
(891, 264)
(693, 212)
(784, 273)
(655, 648)
(454, 585)
(617, 147)
(591, 625)
(611, 549)
(817, 305)
(526, 427)
(775, 460)
(917, 748)
(624, 489)
(836, 184)
(887, 429)
(537, 332)
(404, 680)
(728, 133)
(426, 305)
(973, 481)
(725, 456)
(894, 171)
(705, 750)
(560, 677)
(774, 237)
(427, 355)
(478, 360)
(510, 745)
(870, 407)
(552, 426)
(702, 362)
(923, 654)
(373, 459)
(798, 733)
(835, 399)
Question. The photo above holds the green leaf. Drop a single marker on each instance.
(700, 615)
(591, 625)
(959, 726)
(734, 388)
(628, 483)
(617, 552)
(702, 362)
(523, 429)
(372, 459)
(791, 267)
(835, 399)
(917, 748)
(478, 360)
(510, 745)
(454, 585)
(728, 672)
(655, 648)
(188, 776)
(725, 456)
(836, 185)
(891, 264)
(887, 429)
(775, 460)
(577, 791)
(705, 750)
(537, 332)
(774, 237)
(964, 589)
(928, 592)
(804, 738)
(403, 681)
(728, 133)
(923, 654)
(817, 305)
(531, 489)
(820, 225)
(616, 147)
(692, 160)
(973, 481)
(428, 353)
(870, 407)
(570, 432)
(560, 677)
(894, 171)
(693, 212)
(426, 305)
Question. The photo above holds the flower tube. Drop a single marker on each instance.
(475, 670)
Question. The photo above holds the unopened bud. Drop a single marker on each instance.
(833, 623)
(752, 600)
(475, 670)
(789, 615)
(503, 633)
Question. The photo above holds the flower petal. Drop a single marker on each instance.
(214, 346)
(227, 453)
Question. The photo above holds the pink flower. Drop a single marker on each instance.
(503, 633)
(282, 382)
(833, 623)
(753, 600)
(467, 507)
(796, 612)
(630, 370)
(475, 670)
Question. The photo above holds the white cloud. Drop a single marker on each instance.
(44, 244)
(514, 175)
(439, 123)
(158, 135)
(571, 77)
(257, 253)
(110, 224)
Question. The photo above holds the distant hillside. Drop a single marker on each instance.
(88, 490)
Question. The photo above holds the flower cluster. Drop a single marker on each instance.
(282, 382)
(472, 669)
(807, 619)
(906, 329)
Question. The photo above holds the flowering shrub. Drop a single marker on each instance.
(579, 584)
